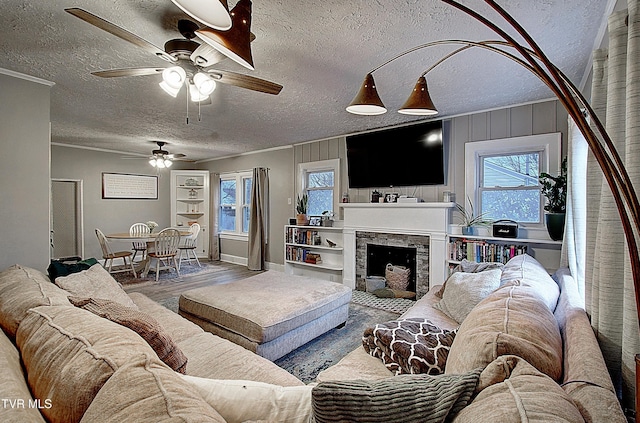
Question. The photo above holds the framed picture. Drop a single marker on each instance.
(315, 220)
(130, 187)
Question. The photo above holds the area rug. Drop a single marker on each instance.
(394, 305)
(326, 350)
(185, 270)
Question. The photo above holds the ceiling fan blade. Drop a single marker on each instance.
(245, 81)
(119, 32)
(176, 156)
(115, 73)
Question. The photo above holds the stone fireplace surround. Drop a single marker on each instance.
(427, 221)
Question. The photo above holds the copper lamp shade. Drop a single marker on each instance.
(419, 102)
(213, 13)
(236, 42)
(367, 101)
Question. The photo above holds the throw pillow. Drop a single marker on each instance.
(95, 282)
(465, 290)
(245, 400)
(59, 268)
(409, 346)
(467, 266)
(141, 323)
(404, 398)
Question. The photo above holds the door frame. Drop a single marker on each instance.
(79, 190)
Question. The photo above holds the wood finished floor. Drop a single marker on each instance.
(168, 288)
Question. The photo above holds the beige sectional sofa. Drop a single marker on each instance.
(61, 363)
(542, 361)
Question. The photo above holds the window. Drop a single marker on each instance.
(501, 177)
(319, 181)
(235, 200)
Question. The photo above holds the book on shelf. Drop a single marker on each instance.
(484, 251)
(302, 255)
(303, 236)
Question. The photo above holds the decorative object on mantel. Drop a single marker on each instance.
(331, 243)
(531, 57)
(327, 218)
(301, 210)
(554, 188)
(469, 220)
(191, 182)
(375, 196)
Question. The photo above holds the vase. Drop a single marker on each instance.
(555, 225)
(467, 230)
(302, 219)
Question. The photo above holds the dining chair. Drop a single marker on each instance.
(139, 229)
(109, 256)
(165, 251)
(188, 247)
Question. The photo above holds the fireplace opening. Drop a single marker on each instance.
(378, 256)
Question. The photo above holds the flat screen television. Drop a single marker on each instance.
(403, 156)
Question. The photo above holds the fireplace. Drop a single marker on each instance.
(401, 249)
(379, 255)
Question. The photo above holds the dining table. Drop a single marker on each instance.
(142, 267)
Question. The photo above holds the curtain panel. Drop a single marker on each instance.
(258, 219)
(610, 298)
(214, 239)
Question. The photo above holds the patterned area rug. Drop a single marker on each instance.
(185, 270)
(326, 350)
(394, 305)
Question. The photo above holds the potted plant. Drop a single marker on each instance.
(327, 218)
(554, 188)
(301, 209)
(469, 220)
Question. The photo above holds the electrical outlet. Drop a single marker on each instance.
(289, 200)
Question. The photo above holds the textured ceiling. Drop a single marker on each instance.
(319, 51)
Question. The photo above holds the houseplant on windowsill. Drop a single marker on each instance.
(554, 188)
(301, 209)
(469, 220)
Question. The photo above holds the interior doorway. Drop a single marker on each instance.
(67, 235)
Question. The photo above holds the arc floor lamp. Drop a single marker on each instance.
(531, 57)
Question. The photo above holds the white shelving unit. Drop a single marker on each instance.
(190, 204)
(302, 242)
(546, 251)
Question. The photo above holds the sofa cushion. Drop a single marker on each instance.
(95, 282)
(59, 268)
(69, 353)
(22, 288)
(146, 391)
(531, 273)
(467, 266)
(141, 323)
(463, 291)
(13, 387)
(269, 403)
(511, 390)
(409, 346)
(512, 320)
(404, 398)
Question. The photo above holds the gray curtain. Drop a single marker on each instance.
(609, 283)
(258, 219)
(214, 239)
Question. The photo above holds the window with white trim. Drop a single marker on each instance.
(320, 180)
(235, 200)
(501, 176)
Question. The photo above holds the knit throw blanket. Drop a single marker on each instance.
(410, 346)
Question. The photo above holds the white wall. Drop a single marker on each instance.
(24, 172)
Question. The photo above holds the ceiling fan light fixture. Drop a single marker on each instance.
(167, 163)
(236, 42)
(213, 13)
(153, 162)
(419, 102)
(195, 94)
(204, 83)
(173, 92)
(174, 76)
(367, 102)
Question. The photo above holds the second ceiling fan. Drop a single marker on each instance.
(191, 60)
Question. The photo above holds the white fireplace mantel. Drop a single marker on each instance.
(428, 219)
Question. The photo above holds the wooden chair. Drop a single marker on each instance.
(109, 256)
(188, 247)
(139, 229)
(165, 251)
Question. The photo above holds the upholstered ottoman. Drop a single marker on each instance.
(271, 313)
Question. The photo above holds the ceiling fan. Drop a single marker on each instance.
(191, 60)
(161, 158)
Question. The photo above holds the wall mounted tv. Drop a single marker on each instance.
(403, 156)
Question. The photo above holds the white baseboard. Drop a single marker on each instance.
(228, 258)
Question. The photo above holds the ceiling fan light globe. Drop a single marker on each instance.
(160, 163)
(205, 84)
(213, 13)
(173, 92)
(153, 162)
(174, 76)
(195, 94)
(167, 163)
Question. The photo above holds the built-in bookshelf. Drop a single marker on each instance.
(314, 251)
(493, 249)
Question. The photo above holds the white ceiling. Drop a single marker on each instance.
(318, 50)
